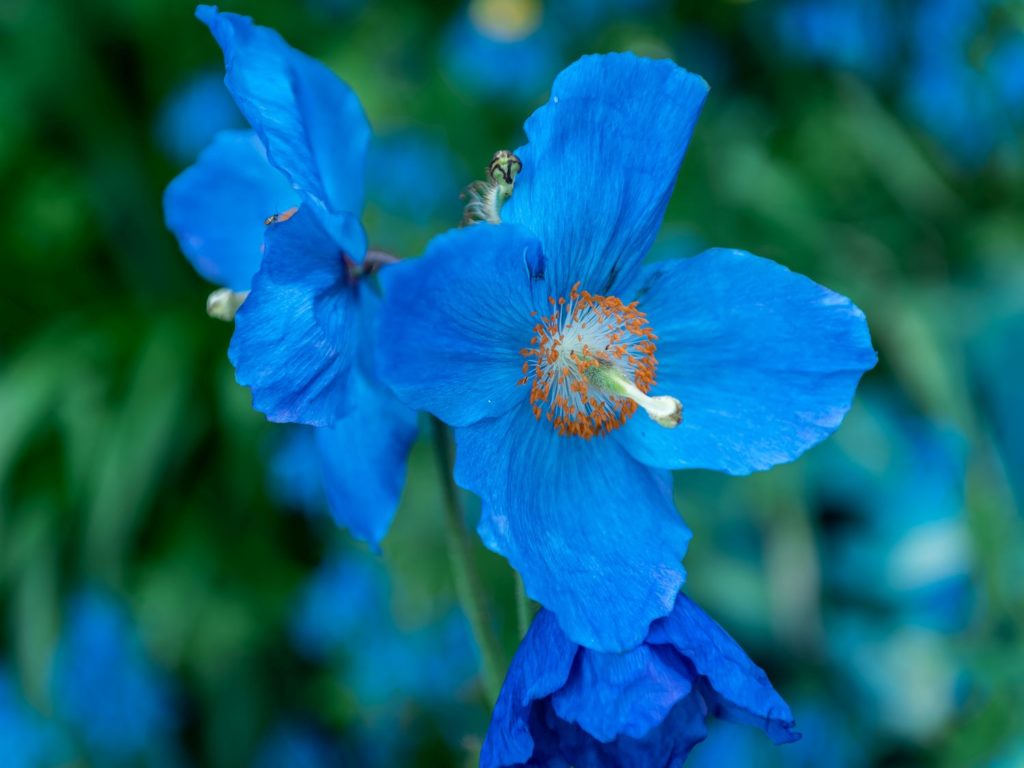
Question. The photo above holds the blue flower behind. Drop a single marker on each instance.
(857, 35)
(576, 489)
(344, 613)
(826, 741)
(563, 704)
(105, 687)
(413, 175)
(273, 214)
(497, 61)
(294, 472)
(193, 114)
(296, 744)
(972, 103)
(896, 536)
(27, 739)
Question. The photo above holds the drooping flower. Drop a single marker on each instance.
(106, 688)
(541, 338)
(563, 704)
(272, 214)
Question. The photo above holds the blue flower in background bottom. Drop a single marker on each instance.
(890, 493)
(562, 704)
(542, 338)
(27, 740)
(105, 688)
(272, 214)
(344, 612)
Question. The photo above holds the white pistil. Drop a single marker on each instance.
(223, 303)
(664, 410)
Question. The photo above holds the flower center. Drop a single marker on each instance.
(590, 363)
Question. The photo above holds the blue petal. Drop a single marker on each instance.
(297, 332)
(593, 532)
(734, 687)
(311, 123)
(455, 320)
(601, 164)
(216, 208)
(541, 666)
(765, 362)
(561, 744)
(623, 694)
(362, 459)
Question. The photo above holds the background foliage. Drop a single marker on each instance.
(171, 591)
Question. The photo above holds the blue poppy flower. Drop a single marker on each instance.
(563, 704)
(858, 36)
(540, 337)
(193, 114)
(105, 687)
(272, 214)
(27, 739)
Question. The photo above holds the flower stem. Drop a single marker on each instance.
(524, 611)
(467, 582)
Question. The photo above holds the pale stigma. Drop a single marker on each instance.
(664, 410)
(223, 304)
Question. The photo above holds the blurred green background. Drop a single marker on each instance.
(166, 578)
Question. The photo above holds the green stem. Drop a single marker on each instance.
(467, 583)
(524, 611)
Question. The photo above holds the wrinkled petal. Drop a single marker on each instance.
(734, 687)
(765, 362)
(623, 694)
(601, 164)
(592, 532)
(296, 335)
(362, 460)
(216, 208)
(455, 320)
(311, 123)
(540, 667)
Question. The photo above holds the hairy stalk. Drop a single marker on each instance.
(467, 582)
(524, 611)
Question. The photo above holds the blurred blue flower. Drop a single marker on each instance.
(857, 35)
(294, 471)
(516, 335)
(344, 612)
(895, 536)
(582, 16)
(295, 744)
(562, 704)
(193, 114)
(27, 739)
(501, 52)
(962, 88)
(106, 689)
(276, 212)
(415, 176)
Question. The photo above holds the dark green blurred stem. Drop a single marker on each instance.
(524, 611)
(467, 582)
